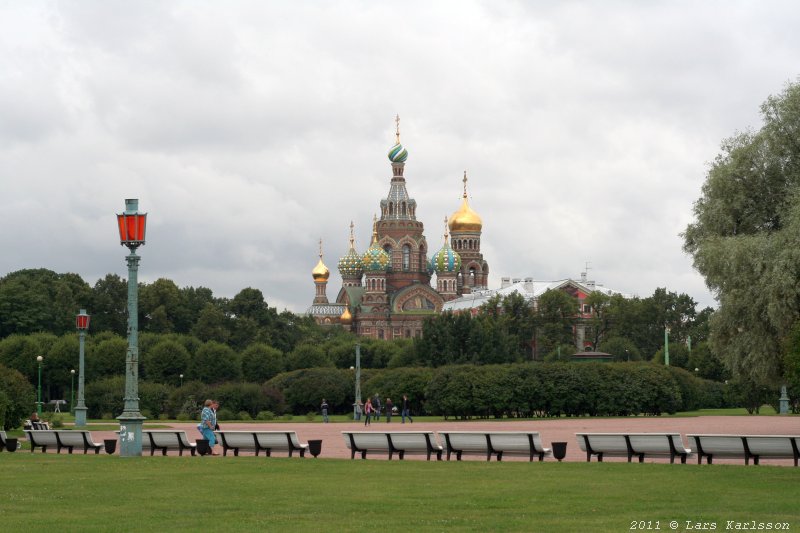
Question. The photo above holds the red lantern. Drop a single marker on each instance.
(131, 225)
(82, 320)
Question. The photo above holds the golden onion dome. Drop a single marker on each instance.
(320, 272)
(346, 318)
(465, 219)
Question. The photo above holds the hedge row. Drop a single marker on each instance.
(464, 391)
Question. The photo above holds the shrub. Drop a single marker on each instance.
(225, 414)
(244, 415)
(310, 416)
(287, 416)
(19, 397)
(265, 415)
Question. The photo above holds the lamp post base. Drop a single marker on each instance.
(130, 434)
(80, 416)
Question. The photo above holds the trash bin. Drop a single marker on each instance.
(315, 447)
(111, 446)
(559, 450)
(202, 447)
(11, 445)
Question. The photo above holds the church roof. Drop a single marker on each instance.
(529, 289)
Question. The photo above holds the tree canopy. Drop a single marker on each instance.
(745, 240)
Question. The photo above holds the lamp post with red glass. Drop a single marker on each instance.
(131, 234)
(82, 324)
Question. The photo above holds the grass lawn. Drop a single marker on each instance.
(49, 492)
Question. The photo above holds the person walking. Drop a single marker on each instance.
(368, 411)
(405, 412)
(359, 410)
(324, 408)
(376, 406)
(388, 406)
(208, 421)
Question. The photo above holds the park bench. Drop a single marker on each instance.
(58, 439)
(633, 444)
(165, 440)
(746, 446)
(256, 441)
(499, 443)
(525, 443)
(391, 442)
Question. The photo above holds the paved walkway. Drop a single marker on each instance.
(553, 430)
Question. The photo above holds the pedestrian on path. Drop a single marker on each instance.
(368, 411)
(324, 408)
(389, 405)
(405, 412)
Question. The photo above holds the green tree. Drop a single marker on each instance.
(621, 348)
(554, 321)
(165, 362)
(215, 362)
(744, 240)
(109, 305)
(261, 362)
(19, 399)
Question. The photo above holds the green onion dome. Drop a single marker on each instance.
(375, 258)
(351, 266)
(446, 260)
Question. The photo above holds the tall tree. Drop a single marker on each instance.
(744, 239)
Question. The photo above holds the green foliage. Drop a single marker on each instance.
(215, 362)
(394, 383)
(17, 396)
(265, 416)
(744, 241)
(304, 389)
(154, 397)
(621, 348)
(238, 397)
(558, 389)
(105, 396)
(40, 300)
(261, 362)
(165, 361)
(226, 415)
(307, 355)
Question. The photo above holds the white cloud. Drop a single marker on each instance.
(250, 129)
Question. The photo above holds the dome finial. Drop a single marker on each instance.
(352, 238)
(374, 229)
(465, 183)
(465, 219)
(446, 227)
(397, 130)
(320, 247)
(397, 154)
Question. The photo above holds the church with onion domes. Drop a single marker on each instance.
(387, 290)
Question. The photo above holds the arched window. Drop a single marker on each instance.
(391, 209)
(406, 257)
(403, 208)
(472, 277)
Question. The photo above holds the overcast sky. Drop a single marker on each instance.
(248, 130)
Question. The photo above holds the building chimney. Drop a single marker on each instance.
(505, 282)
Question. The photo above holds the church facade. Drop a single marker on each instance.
(387, 290)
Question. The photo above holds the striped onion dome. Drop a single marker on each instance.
(350, 265)
(398, 154)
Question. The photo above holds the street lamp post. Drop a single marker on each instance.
(72, 391)
(358, 382)
(131, 234)
(82, 324)
(666, 345)
(181, 380)
(39, 360)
